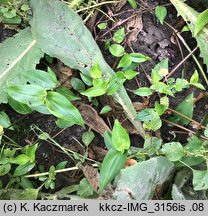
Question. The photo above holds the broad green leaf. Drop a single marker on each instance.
(111, 166)
(185, 29)
(61, 165)
(125, 61)
(161, 66)
(41, 109)
(30, 151)
(4, 169)
(95, 71)
(99, 88)
(77, 84)
(194, 144)
(200, 179)
(105, 109)
(162, 88)
(160, 13)
(159, 108)
(194, 77)
(20, 159)
(130, 74)
(199, 86)
(119, 35)
(40, 78)
(4, 120)
(102, 26)
(116, 50)
(201, 22)
(154, 123)
(155, 76)
(133, 3)
(115, 83)
(108, 140)
(174, 151)
(75, 47)
(31, 95)
(143, 91)
(23, 169)
(67, 93)
(144, 115)
(190, 16)
(17, 54)
(120, 137)
(181, 84)
(62, 123)
(85, 189)
(19, 107)
(62, 108)
(138, 57)
(28, 194)
(182, 108)
(86, 79)
(139, 182)
(87, 137)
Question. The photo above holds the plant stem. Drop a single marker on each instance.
(188, 48)
(97, 5)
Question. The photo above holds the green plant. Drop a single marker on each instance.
(13, 12)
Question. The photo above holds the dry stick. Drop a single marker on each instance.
(186, 117)
(115, 26)
(177, 66)
(188, 48)
(183, 128)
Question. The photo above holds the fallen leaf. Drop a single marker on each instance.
(92, 119)
(134, 26)
(91, 175)
(119, 5)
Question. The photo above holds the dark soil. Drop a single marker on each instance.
(154, 41)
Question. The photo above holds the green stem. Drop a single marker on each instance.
(97, 5)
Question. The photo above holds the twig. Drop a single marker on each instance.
(177, 66)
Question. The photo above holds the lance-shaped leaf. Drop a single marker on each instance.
(61, 33)
(190, 16)
(17, 54)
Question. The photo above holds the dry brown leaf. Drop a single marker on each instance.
(92, 119)
(91, 175)
(119, 5)
(134, 26)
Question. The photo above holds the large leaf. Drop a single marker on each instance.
(188, 102)
(17, 54)
(111, 166)
(61, 33)
(62, 108)
(191, 16)
(139, 181)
